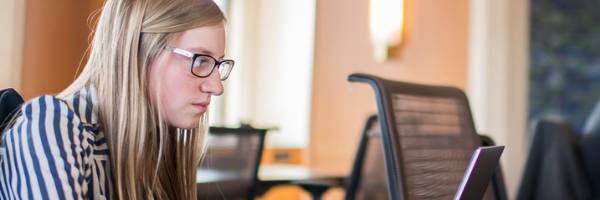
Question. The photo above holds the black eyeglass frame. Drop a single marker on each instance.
(193, 56)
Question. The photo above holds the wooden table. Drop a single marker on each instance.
(274, 175)
(281, 174)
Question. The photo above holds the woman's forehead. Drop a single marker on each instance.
(206, 40)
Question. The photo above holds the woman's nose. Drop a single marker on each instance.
(212, 84)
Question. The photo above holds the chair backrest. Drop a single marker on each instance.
(428, 137)
(367, 179)
(590, 146)
(231, 162)
(554, 169)
(10, 101)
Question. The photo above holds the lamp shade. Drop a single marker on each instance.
(386, 22)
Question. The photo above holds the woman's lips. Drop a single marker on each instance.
(200, 106)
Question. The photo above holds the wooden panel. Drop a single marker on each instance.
(56, 37)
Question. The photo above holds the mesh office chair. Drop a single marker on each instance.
(368, 178)
(554, 169)
(230, 166)
(428, 137)
(590, 145)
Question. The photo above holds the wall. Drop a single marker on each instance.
(498, 78)
(56, 35)
(272, 44)
(434, 51)
(284, 57)
(12, 17)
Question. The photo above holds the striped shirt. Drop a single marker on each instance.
(55, 150)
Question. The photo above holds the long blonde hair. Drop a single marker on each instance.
(149, 159)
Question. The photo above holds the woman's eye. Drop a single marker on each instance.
(200, 62)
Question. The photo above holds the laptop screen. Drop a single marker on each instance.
(480, 170)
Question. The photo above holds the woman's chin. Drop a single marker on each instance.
(186, 124)
(190, 125)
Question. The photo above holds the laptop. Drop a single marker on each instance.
(480, 170)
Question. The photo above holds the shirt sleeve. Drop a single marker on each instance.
(46, 153)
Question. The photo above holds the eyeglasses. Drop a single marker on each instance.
(203, 65)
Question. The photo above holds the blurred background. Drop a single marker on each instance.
(517, 61)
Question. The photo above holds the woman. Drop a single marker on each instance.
(132, 125)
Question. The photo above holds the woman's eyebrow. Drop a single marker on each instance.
(204, 51)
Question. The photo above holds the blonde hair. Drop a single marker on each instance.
(149, 159)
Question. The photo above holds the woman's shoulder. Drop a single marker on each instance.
(77, 109)
(47, 114)
(47, 106)
(69, 116)
(49, 143)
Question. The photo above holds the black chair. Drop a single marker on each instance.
(10, 101)
(590, 146)
(554, 169)
(368, 180)
(368, 177)
(230, 167)
(428, 137)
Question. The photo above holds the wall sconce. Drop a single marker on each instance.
(386, 24)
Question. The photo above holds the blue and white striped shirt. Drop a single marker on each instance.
(55, 150)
